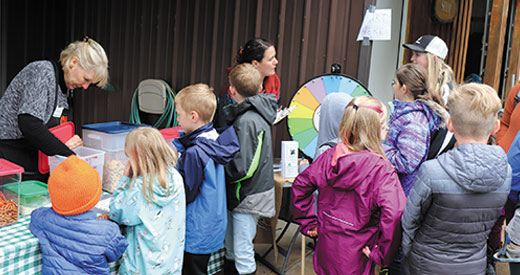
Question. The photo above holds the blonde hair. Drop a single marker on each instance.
(361, 125)
(150, 157)
(199, 98)
(416, 80)
(474, 110)
(439, 74)
(246, 79)
(92, 57)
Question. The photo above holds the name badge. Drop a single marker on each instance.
(58, 112)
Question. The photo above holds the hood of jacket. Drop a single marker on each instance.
(263, 104)
(332, 110)
(161, 197)
(436, 114)
(437, 109)
(348, 170)
(485, 173)
(221, 150)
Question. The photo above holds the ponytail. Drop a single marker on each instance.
(362, 123)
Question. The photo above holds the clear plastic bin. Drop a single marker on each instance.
(108, 135)
(33, 194)
(115, 163)
(10, 177)
(94, 157)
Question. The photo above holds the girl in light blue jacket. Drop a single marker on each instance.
(150, 201)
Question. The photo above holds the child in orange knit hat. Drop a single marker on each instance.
(72, 239)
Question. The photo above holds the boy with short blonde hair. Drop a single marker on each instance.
(474, 112)
(458, 197)
(249, 176)
(199, 98)
(204, 154)
(246, 80)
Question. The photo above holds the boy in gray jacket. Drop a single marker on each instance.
(458, 197)
(249, 176)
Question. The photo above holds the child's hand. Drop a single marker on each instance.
(366, 251)
(104, 217)
(313, 232)
(304, 161)
(128, 170)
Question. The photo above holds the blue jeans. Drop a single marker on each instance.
(241, 230)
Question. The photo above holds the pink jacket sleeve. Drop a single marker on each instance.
(391, 200)
(302, 191)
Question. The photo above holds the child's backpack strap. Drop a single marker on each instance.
(441, 141)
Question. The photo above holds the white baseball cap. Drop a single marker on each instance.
(430, 44)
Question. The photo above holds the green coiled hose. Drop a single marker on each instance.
(168, 113)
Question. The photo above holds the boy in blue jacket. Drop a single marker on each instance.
(72, 239)
(203, 155)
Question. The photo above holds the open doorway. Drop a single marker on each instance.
(474, 68)
(477, 45)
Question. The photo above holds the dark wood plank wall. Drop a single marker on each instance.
(514, 58)
(496, 40)
(455, 34)
(182, 42)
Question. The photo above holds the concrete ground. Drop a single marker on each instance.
(294, 266)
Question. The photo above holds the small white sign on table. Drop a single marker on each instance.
(289, 159)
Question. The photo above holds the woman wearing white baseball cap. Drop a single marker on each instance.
(430, 51)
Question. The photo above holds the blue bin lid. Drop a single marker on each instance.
(114, 127)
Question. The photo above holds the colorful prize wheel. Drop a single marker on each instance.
(303, 121)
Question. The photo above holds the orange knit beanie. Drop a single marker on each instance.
(74, 187)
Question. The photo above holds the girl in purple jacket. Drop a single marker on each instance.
(417, 114)
(360, 198)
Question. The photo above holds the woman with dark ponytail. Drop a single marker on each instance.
(262, 54)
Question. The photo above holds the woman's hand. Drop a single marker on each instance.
(128, 170)
(74, 142)
(313, 232)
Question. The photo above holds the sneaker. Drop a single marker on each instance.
(513, 251)
(509, 254)
(383, 271)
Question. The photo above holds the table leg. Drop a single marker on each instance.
(303, 254)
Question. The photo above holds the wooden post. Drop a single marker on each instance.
(365, 54)
(467, 24)
(495, 48)
(461, 38)
(514, 58)
(303, 254)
